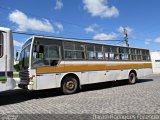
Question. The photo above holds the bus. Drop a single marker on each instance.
(50, 62)
(6, 59)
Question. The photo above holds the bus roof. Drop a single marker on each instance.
(5, 29)
(77, 40)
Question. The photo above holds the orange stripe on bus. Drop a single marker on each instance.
(90, 67)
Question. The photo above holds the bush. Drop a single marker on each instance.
(17, 67)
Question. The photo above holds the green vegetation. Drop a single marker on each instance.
(15, 75)
(3, 78)
(16, 68)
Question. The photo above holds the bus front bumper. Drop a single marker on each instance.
(26, 86)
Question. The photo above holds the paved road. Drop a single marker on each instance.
(110, 97)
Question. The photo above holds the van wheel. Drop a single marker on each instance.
(132, 78)
(69, 85)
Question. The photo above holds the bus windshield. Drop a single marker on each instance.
(24, 58)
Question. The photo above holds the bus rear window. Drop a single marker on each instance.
(1, 44)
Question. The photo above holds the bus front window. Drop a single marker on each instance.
(49, 57)
(24, 58)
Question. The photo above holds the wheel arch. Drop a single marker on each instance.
(71, 74)
(133, 71)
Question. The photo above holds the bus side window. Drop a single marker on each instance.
(74, 51)
(1, 44)
(99, 52)
(133, 54)
(145, 55)
(124, 53)
(107, 50)
(91, 54)
(94, 52)
(51, 55)
(113, 53)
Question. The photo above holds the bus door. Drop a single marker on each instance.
(50, 59)
(3, 59)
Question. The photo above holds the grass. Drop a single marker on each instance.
(3, 78)
(15, 75)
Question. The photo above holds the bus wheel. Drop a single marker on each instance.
(132, 78)
(69, 85)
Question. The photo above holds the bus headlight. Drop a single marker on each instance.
(31, 78)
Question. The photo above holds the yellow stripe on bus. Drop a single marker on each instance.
(90, 67)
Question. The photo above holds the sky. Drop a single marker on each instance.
(96, 20)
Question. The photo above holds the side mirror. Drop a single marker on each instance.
(17, 54)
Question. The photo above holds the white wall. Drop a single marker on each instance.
(155, 56)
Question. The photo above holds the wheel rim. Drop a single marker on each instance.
(70, 85)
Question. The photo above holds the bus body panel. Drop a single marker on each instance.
(95, 72)
(46, 81)
(6, 60)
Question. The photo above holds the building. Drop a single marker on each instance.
(155, 57)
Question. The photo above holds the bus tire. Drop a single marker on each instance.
(132, 78)
(69, 85)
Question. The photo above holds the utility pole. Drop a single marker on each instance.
(126, 37)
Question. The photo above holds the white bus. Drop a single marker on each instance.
(6, 59)
(48, 62)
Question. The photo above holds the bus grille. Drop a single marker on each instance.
(24, 77)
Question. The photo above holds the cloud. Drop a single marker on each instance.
(147, 41)
(157, 40)
(25, 23)
(152, 41)
(59, 5)
(104, 36)
(121, 30)
(92, 28)
(100, 8)
(59, 27)
(112, 36)
(17, 44)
